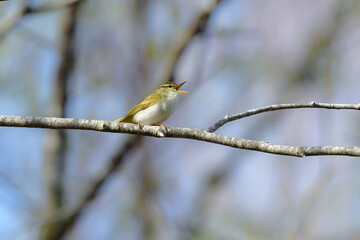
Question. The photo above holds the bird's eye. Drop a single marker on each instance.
(169, 86)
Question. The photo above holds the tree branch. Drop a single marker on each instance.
(170, 132)
(230, 118)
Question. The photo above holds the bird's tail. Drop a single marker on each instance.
(119, 120)
(125, 119)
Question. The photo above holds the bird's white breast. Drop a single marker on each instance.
(158, 112)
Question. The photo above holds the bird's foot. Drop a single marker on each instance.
(162, 126)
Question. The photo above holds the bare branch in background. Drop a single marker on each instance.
(11, 17)
(230, 118)
(196, 134)
(54, 5)
(9, 20)
(65, 221)
(199, 25)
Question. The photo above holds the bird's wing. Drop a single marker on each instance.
(145, 103)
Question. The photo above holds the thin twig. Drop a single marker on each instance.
(230, 118)
(169, 132)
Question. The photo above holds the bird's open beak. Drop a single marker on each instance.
(179, 86)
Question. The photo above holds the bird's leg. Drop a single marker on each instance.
(139, 124)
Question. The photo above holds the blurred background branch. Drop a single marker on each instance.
(56, 143)
(21, 8)
(198, 26)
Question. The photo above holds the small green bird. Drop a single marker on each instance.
(155, 108)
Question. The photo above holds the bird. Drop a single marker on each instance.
(155, 108)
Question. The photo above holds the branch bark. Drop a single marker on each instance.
(173, 132)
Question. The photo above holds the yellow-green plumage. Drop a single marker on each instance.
(155, 108)
(145, 103)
